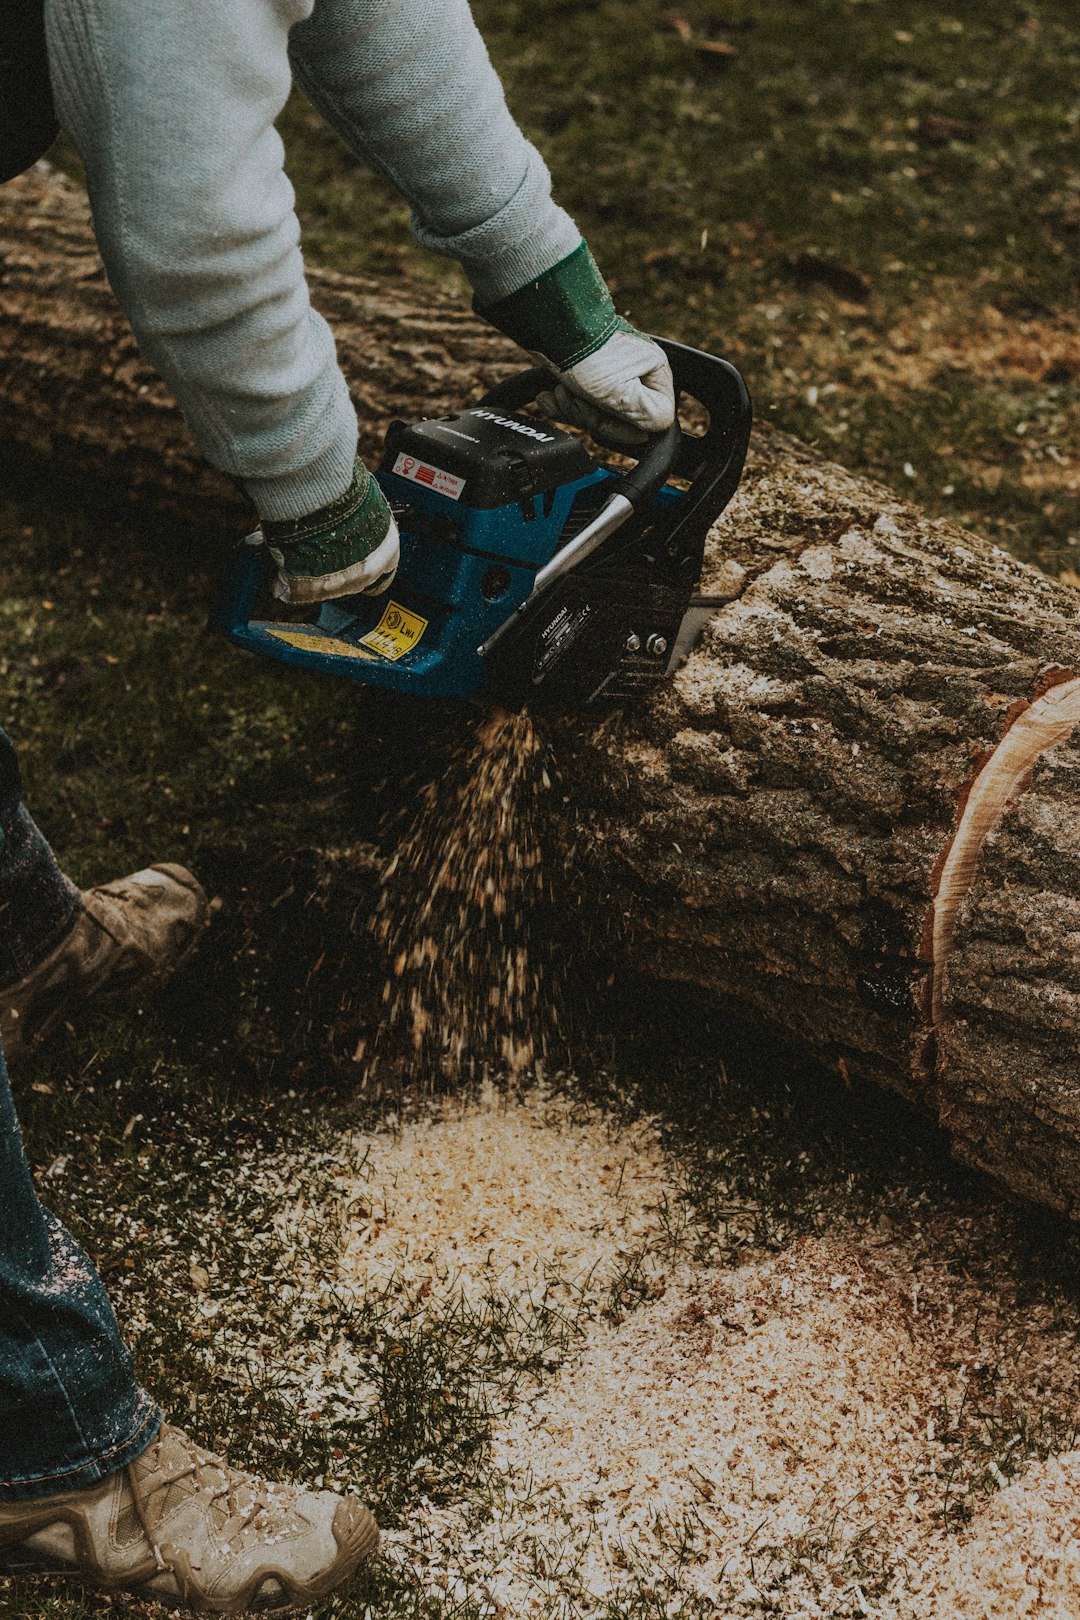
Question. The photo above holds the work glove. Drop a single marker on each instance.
(612, 380)
(349, 547)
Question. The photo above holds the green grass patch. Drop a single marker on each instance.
(803, 205)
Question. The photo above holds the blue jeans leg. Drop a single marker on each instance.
(70, 1409)
(38, 904)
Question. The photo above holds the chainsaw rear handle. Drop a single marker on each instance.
(718, 453)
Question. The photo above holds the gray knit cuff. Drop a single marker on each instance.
(529, 235)
(299, 492)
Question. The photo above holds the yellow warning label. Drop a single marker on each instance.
(310, 641)
(397, 632)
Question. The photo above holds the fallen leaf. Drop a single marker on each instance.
(677, 23)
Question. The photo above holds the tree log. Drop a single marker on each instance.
(851, 817)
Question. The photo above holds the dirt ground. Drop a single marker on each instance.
(698, 1331)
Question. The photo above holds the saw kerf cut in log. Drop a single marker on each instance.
(854, 814)
(1040, 726)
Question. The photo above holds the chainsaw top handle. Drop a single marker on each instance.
(658, 453)
(719, 452)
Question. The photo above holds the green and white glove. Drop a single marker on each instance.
(613, 381)
(349, 547)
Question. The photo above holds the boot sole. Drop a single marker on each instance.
(363, 1548)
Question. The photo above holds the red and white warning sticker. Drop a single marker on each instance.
(443, 483)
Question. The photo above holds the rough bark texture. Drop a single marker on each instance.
(784, 807)
(773, 825)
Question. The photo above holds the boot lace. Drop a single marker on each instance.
(247, 1502)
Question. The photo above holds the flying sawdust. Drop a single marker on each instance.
(470, 983)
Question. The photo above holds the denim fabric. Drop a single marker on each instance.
(172, 109)
(70, 1410)
(38, 904)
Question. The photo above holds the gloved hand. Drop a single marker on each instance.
(613, 381)
(348, 547)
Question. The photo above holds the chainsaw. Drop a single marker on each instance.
(531, 573)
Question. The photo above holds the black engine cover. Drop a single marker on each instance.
(502, 457)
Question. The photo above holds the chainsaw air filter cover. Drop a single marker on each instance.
(486, 458)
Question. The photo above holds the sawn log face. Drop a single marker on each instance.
(772, 826)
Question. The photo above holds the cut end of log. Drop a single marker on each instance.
(1039, 726)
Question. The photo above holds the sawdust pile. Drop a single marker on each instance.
(769, 1441)
(522, 1197)
(820, 1432)
(470, 983)
(1024, 1560)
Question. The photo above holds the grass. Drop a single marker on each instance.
(873, 209)
(856, 170)
(233, 1311)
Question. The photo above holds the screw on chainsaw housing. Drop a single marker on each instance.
(495, 583)
(633, 641)
(657, 645)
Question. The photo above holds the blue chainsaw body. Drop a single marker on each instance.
(489, 502)
(463, 571)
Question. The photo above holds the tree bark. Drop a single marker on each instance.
(852, 816)
(781, 815)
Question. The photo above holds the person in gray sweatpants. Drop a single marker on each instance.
(172, 109)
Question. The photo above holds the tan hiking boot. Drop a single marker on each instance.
(182, 1527)
(135, 931)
